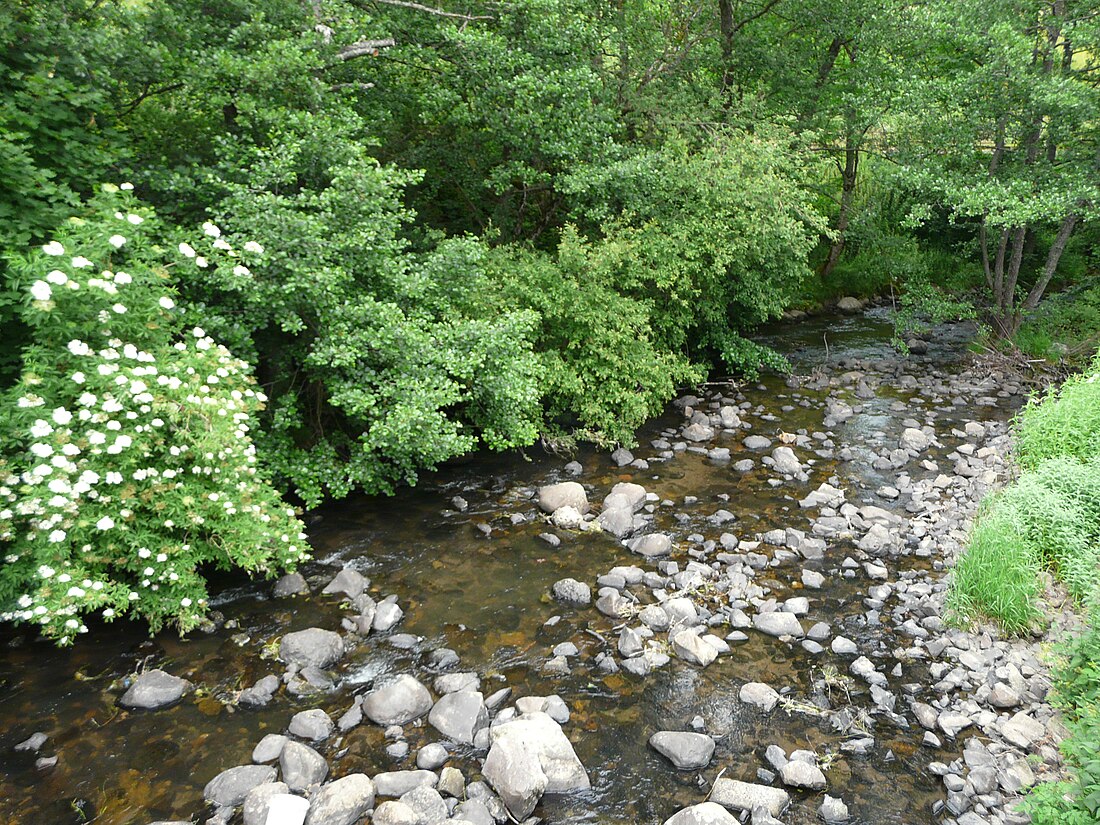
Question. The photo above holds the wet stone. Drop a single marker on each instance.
(758, 694)
(348, 582)
(398, 701)
(154, 689)
(269, 748)
(342, 802)
(312, 724)
(312, 647)
(687, 751)
(258, 802)
(396, 783)
(302, 767)
(745, 796)
(777, 624)
(431, 757)
(292, 584)
(572, 591)
(705, 813)
(32, 743)
(230, 787)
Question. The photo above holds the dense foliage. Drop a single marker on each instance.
(489, 223)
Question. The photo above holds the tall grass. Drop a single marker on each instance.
(1049, 520)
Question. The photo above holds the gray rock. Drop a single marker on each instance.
(343, 802)
(844, 646)
(452, 682)
(654, 617)
(687, 645)
(618, 521)
(397, 701)
(395, 813)
(952, 723)
(687, 751)
(572, 591)
(302, 767)
(32, 743)
(759, 694)
(567, 518)
(258, 800)
(651, 545)
(1003, 696)
(785, 461)
(799, 774)
(812, 579)
(452, 783)
(745, 796)
(474, 811)
(705, 813)
(269, 748)
(349, 582)
(427, 803)
(314, 725)
(778, 623)
(565, 494)
(431, 757)
(757, 442)
(1023, 731)
(914, 440)
(849, 305)
(626, 495)
(154, 689)
(313, 647)
(529, 756)
(698, 432)
(230, 787)
(292, 584)
(282, 809)
(397, 783)
(386, 615)
(460, 715)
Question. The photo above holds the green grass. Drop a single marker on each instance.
(1066, 423)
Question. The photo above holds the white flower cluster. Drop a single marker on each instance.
(139, 463)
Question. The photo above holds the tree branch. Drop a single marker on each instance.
(408, 4)
(364, 47)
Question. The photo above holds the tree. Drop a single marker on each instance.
(1003, 130)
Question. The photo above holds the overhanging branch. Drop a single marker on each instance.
(408, 4)
(363, 48)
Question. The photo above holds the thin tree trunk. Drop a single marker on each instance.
(847, 193)
(1069, 222)
(727, 28)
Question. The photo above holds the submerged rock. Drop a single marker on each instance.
(154, 689)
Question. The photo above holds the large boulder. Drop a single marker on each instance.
(313, 647)
(154, 689)
(397, 702)
(651, 545)
(686, 750)
(529, 756)
(563, 494)
(460, 715)
(343, 802)
(849, 304)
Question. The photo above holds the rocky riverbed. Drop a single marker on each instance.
(740, 619)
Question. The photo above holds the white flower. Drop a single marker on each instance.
(135, 219)
(220, 243)
(96, 437)
(25, 601)
(211, 230)
(116, 241)
(126, 186)
(200, 262)
(80, 262)
(124, 441)
(108, 613)
(40, 291)
(78, 347)
(62, 416)
(72, 624)
(78, 377)
(75, 592)
(185, 602)
(253, 247)
(241, 271)
(42, 450)
(105, 523)
(123, 278)
(41, 429)
(144, 553)
(45, 572)
(166, 302)
(187, 250)
(53, 248)
(57, 277)
(87, 399)
(114, 478)
(198, 332)
(119, 308)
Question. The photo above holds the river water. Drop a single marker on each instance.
(487, 598)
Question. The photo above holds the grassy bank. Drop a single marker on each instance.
(1049, 521)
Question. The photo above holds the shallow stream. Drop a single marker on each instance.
(487, 598)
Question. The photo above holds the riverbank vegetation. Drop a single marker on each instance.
(1048, 522)
(486, 223)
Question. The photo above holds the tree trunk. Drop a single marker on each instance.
(847, 193)
(1069, 222)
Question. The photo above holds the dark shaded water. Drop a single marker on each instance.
(487, 598)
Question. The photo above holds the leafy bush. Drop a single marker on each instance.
(1066, 423)
(128, 462)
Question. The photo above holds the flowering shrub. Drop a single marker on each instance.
(128, 461)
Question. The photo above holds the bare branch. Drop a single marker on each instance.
(364, 48)
(408, 4)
